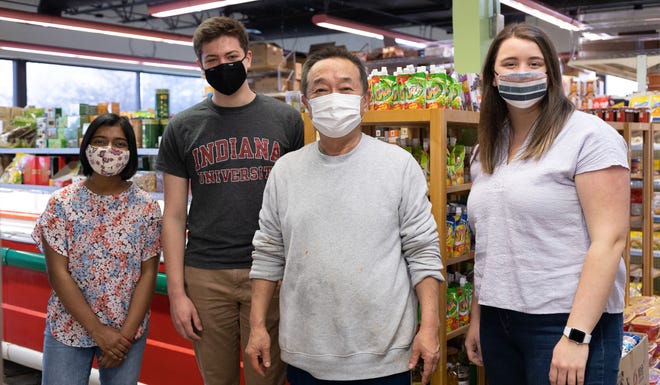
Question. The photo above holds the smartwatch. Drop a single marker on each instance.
(577, 335)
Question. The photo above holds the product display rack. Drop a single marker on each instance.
(644, 223)
(437, 122)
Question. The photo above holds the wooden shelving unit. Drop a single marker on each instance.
(644, 223)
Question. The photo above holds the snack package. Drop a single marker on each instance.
(435, 85)
(416, 90)
(146, 180)
(401, 80)
(458, 155)
(450, 168)
(628, 315)
(464, 304)
(460, 234)
(13, 174)
(382, 91)
(646, 324)
(452, 309)
(450, 224)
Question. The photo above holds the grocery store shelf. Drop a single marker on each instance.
(462, 258)
(459, 188)
(638, 253)
(28, 187)
(40, 151)
(50, 189)
(624, 67)
(458, 332)
(403, 61)
(636, 271)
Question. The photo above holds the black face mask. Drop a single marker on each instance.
(226, 78)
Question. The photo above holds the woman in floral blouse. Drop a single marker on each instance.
(101, 239)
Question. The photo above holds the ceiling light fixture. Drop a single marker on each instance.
(591, 36)
(343, 25)
(90, 55)
(88, 26)
(182, 7)
(546, 14)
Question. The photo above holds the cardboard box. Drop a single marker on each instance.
(634, 367)
(5, 113)
(269, 84)
(295, 66)
(15, 111)
(265, 56)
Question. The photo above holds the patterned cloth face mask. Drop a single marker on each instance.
(522, 90)
(107, 161)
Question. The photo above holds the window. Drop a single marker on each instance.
(51, 85)
(184, 91)
(616, 86)
(6, 83)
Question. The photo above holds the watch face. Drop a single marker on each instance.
(576, 335)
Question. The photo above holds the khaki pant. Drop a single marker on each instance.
(222, 299)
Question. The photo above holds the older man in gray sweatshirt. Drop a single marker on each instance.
(346, 226)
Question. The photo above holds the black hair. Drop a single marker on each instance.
(333, 52)
(126, 127)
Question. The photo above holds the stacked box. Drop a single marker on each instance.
(634, 366)
(265, 56)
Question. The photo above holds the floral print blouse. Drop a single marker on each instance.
(105, 238)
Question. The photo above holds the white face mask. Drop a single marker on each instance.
(522, 90)
(107, 161)
(336, 115)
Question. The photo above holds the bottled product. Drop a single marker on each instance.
(452, 364)
(404, 140)
(393, 136)
(379, 133)
(463, 374)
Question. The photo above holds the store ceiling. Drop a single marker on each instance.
(629, 22)
(277, 19)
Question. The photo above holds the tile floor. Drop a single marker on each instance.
(15, 374)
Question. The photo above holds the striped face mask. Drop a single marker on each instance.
(522, 90)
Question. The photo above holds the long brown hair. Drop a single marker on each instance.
(555, 107)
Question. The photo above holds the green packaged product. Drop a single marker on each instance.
(452, 309)
(435, 89)
(382, 92)
(415, 88)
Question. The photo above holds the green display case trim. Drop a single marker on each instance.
(37, 262)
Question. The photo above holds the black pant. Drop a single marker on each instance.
(300, 377)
